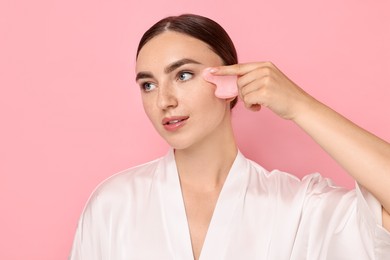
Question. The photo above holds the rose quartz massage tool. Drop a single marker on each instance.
(226, 85)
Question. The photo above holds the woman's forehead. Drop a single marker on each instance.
(171, 46)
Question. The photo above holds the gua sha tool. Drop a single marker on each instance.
(226, 85)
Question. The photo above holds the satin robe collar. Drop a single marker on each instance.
(175, 216)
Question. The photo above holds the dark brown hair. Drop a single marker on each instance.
(201, 28)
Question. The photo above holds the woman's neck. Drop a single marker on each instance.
(206, 166)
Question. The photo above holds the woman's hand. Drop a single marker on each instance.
(365, 156)
(263, 84)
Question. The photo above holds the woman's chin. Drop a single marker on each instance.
(178, 146)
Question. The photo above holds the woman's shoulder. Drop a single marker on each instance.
(125, 182)
(139, 172)
(279, 179)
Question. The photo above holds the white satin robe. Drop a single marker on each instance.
(139, 214)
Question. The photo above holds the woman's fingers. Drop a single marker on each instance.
(237, 69)
(252, 102)
(249, 75)
(263, 84)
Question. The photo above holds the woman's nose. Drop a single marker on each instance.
(166, 97)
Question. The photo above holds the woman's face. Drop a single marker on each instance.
(178, 101)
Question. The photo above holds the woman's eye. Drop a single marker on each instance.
(148, 86)
(184, 76)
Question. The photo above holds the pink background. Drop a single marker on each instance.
(71, 113)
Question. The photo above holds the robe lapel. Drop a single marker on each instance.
(175, 218)
(174, 215)
(233, 190)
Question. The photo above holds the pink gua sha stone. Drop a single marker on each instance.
(226, 85)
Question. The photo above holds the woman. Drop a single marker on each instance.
(204, 199)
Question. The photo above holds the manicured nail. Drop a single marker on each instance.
(213, 70)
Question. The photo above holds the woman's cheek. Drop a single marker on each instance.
(205, 89)
(190, 91)
(149, 107)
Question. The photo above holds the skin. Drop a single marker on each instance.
(363, 155)
(204, 145)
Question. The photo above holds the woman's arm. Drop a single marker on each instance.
(363, 155)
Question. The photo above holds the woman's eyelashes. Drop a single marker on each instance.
(184, 75)
(181, 76)
(147, 86)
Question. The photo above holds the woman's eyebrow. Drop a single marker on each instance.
(174, 65)
(168, 69)
(143, 75)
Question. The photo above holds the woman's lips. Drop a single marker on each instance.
(174, 123)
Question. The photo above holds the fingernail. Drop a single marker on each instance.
(213, 70)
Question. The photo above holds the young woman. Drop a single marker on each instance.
(204, 199)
